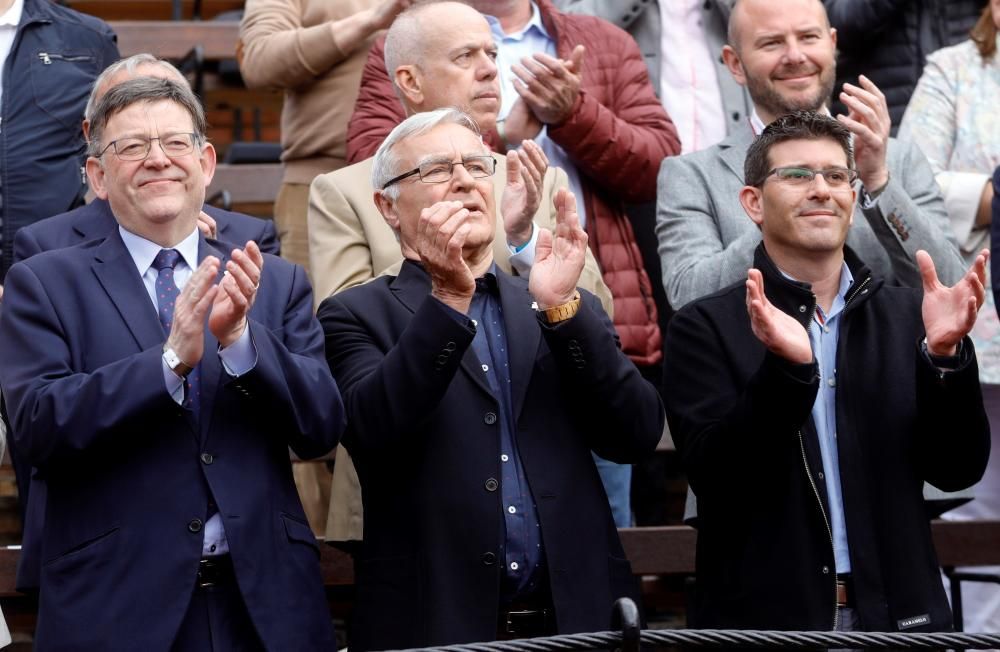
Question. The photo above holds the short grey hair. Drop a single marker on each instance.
(385, 164)
(129, 65)
(144, 89)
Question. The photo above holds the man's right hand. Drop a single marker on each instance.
(385, 13)
(522, 193)
(778, 331)
(441, 234)
(187, 331)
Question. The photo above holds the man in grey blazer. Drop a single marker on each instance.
(784, 54)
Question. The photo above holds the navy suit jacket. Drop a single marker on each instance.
(130, 474)
(424, 437)
(96, 221)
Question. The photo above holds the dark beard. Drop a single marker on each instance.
(774, 103)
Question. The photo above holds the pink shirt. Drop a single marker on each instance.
(689, 88)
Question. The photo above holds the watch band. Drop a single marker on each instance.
(175, 363)
(562, 312)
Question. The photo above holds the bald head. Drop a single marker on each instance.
(407, 39)
(440, 55)
(744, 11)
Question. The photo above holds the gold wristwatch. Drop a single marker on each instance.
(562, 312)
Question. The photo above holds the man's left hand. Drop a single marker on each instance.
(236, 295)
(950, 313)
(525, 170)
(868, 119)
(550, 86)
(558, 257)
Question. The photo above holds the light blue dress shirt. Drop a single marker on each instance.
(237, 359)
(511, 48)
(824, 335)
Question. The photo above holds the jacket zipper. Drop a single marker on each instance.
(47, 57)
(826, 521)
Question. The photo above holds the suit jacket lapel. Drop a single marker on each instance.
(116, 272)
(411, 288)
(523, 337)
(734, 148)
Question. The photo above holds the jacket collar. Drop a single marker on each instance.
(411, 288)
(733, 148)
(797, 299)
(36, 11)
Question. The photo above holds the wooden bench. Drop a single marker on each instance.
(152, 9)
(175, 39)
(660, 551)
(249, 188)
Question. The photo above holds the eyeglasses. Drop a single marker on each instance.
(137, 149)
(837, 178)
(478, 167)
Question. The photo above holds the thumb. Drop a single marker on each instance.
(543, 245)
(513, 167)
(927, 272)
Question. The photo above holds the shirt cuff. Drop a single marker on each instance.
(240, 357)
(523, 257)
(173, 382)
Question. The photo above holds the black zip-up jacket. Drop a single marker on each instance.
(889, 40)
(741, 419)
(56, 55)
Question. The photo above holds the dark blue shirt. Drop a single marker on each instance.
(524, 557)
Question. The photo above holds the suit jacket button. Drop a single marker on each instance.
(490, 418)
(194, 525)
(492, 484)
(207, 458)
(489, 558)
(450, 346)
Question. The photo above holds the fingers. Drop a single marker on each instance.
(576, 58)
(565, 203)
(927, 272)
(542, 65)
(207, 225)
(439, 224)
(543, 245)
(867, 108)
(513, 167)
(534, 159)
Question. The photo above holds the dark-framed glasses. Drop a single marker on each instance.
(136, 148)
(798, 176)
(478, 167)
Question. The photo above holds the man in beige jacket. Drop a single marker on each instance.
(439, 55)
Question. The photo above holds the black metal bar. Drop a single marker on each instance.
(625, 616)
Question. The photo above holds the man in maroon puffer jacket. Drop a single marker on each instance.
(597, 106)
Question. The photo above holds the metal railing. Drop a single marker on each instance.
(630, 637)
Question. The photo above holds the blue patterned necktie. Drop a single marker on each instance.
(166, 297)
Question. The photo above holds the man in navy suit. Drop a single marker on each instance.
(171, 519)
(472, 416)
(95, 221)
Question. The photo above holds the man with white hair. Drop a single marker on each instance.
(445, 56)
(474, 401)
